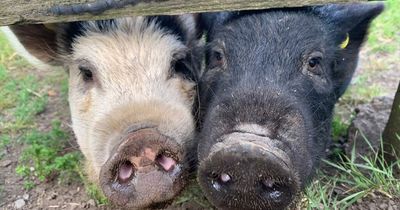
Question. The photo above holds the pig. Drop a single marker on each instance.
(267, 95)
(131, 93)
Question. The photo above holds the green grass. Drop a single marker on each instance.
(20, 100)
(386, 28)
(193, 193)
(339, 128)
(45, 155)
(4, 142)
(355, 178)
(94, 192)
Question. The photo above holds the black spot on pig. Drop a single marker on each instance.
(267, 95)
(171, 24)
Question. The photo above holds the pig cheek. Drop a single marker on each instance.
(86, 103)
(301, 157)
(81, 105)
(80, 123)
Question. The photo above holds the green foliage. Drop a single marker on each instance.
(29, 184)
(193, 193)
(4, 141)
(20, 99)
(320, 195)
(8, 89)
(28, 104)
(385, 29)
(44, 157)
(92, 190)
(355, 179)
(95, 193)
(339, 128)
(8, 56)
(64, 90)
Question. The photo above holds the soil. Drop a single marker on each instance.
(384, 70)
(49, 195)
(52, 195)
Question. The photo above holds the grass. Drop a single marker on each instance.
(44, 157)
(357, 178)
(47, 155)
(339, 128)
(385, 29)
(4, 142)
(193, 193)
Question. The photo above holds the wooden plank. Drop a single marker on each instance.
(38, 11)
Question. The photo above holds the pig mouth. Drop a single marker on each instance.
(244, 167)
(144, 169)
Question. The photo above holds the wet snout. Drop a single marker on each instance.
(247, 171)
(145, 168)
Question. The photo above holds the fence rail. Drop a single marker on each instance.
(43, 11)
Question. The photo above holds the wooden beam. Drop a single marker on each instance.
(38, 11)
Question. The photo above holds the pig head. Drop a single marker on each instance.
(272, 79)
(131, 92)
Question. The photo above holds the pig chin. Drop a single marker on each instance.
(143, 154)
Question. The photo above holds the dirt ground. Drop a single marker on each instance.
(48, 195)
(52, 195)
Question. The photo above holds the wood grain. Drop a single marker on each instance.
(37, 11)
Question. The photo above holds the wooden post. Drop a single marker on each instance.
(391, 133)
(39, 11)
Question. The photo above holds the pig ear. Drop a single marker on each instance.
(210, 20)
(39, 40)
(350, 21)
(191, 24)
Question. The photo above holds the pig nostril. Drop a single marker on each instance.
(125, 171)
(272, 190)
(165, 161)
(225, 178)
(219, 180)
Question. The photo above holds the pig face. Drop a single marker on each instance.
(131, 88)
(268, 94)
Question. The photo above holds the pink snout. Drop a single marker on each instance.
(144, 169)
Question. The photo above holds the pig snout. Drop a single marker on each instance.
(247, 171)
(144, 168)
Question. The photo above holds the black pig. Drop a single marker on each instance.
(268, 93)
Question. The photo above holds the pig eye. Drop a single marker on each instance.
(86, 73)
(218, 56)
(216, 59)
(314, 63)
